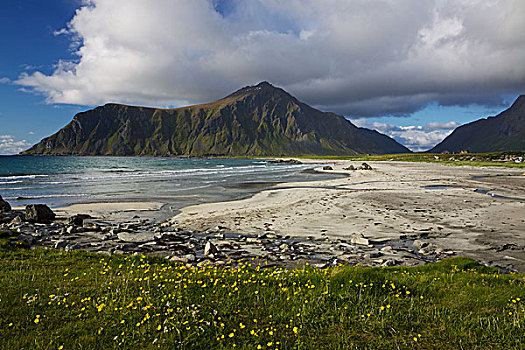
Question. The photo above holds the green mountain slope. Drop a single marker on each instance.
(504, 132)
(259, 120)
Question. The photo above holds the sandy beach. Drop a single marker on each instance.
(470, 211)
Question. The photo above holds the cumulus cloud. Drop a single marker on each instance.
(416, 137)
(5, 80)
(355, 57)
(9, 145)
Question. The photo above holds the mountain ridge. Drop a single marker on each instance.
(503, 132)
(259, 120)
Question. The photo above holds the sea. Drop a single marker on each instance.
(60, 181)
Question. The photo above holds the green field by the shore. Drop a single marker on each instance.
(500, 159)
(52, 299)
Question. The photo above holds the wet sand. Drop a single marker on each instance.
(470, 211)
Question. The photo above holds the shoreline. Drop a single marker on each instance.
(443, 211)
(398, 213)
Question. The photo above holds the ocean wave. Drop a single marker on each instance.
(21, 176)
(172, 173)
(20, 198)
(11, 182)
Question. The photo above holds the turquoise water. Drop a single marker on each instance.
(60, 181)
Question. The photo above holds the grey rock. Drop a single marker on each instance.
(389, 262)
(39, 213)
(187, 258)
(77, 220)
(428, 250)
(328, 167)
(359, 239)
(351, 167)
(135, 237)
(60, 244)
(16, 220)
(91, 226)
(365, 166)
(210, 249)
(4, 206)
(418, 244)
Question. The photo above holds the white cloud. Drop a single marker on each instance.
(354, 57)
(415, 137)
(9, 145)
(5, 80)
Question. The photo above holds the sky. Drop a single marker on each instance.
(412, 69)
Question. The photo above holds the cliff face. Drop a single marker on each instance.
(260, 120)
(504, 132)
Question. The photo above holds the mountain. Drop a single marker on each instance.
(504, 132)
(259, 120)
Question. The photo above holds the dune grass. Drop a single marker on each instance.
(52, 299)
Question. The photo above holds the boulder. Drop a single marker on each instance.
(78, 220)
(351, 167)
(365, 166)
(4, 206)
(39, 213)
(328, 167)
(210, 249)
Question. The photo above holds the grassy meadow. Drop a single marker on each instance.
(52, 299)
(472, 159)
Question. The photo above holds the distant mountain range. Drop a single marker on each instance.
(504, 132)
(260, 120)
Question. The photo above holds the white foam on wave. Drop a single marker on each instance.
(16, 177)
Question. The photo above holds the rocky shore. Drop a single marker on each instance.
(385, 215)
(40, 228)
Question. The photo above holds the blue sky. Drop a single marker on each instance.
(413, 70)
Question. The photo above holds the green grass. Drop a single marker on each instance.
(482, 159)
(75, 300)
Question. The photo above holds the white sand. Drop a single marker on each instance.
(387, 203)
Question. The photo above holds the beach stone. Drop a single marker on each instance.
(418, 244)
(210, 249)
(365, 166)
(4, 206)
(359, 239)
(16, 220)
(350, 167)
(187, 258)
(389, 262)
(76, 220)
(60, 244)
(135, 237)
(91, 226)
(39, 213)
(328, 167)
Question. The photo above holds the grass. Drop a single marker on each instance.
(480, 159)
(52, 299)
